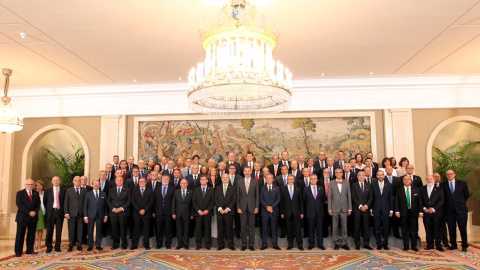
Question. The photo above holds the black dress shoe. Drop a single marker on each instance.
(464, 249)
(447, 245)
(232, 248)
(124, 248)
(69, 249)
(263, 248)
(301, 248)
(58, 250)
(276, 248)
(208, 248)
(220, 248)
(428, 248)
(32, 253)
(282, 236)
(114, 247)
(440, 249)
(405, 249)
(251, 248)
(198, 248)
(368, 247)
(310, 247)
(147, 248)
(379, 247)
(90, 249)
(415, 249)
(167, 247)
(159, 247)
(99, 248)
(321, 247)
(357, 248)
(243, 248)
(452, 248)
(336, 247)
(345, 247)
(187, 248)
(386, 247)
(18, 255)
(289, 248)
(132, 248)
(79, 248)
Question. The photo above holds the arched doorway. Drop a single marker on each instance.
(31, 146)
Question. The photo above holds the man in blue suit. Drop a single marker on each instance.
(270, 204)
(95, 213)
(314, 198)
(382, 208)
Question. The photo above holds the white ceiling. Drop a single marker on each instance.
(111, 42)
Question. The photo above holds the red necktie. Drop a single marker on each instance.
(30, 196)
(256, 176)
(123, 175)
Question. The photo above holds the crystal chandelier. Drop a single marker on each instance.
(239, 76)
(10, 121)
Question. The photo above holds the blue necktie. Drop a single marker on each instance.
(203, 192)
(291, 193)
(451, 187)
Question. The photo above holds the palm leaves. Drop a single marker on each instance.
(461, 157)
(66, 166)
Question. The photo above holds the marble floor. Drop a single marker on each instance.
(7, 241)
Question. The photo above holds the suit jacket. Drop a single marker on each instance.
(238, 178)
(130, 167)
(95, 209)
(360, 197)
(143, 173)
(416, 181)
(250, 200)
(172, 183)
(416, 204)
(201, 204)
(456, 203)
(130, 184)
(124, 200)
(396, 182)
(314, 207)
(25, 206)
(48, 198)
(111, 177)
(339, 201)
(352, 178)
(185, 172)
(106, 187)
(318, 166)
(271, 198)
(140, 202)
(272, 171)
(332, 175)
(237, 166)
(227, 201)
(279, 181)
(167, 172)
(243, 167)
(191, 184)
(87, 188)
(435, 201)
(336, 164)
(182, 209)
(163, 206)
(291, 206)
(382, 203)
(157, 184)
(288, 164)
(73, 204)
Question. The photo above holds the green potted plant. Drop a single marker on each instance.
(65, 165)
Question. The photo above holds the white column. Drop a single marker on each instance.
(399, 134)
(6, 156)
(112, 138)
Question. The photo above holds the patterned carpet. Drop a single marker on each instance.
(226, 259)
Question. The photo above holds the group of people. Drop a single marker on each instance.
(295, 199)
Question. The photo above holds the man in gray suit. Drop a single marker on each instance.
(73, 209)
(187, 170)
(247, 207)
(339, 207)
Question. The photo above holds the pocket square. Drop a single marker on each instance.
(414, 194)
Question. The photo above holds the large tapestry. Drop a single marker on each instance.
(264, 137)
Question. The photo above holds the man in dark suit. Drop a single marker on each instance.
(132, 182)
(382, 208)
(321, 163)
(202, 202)
(292, 211)
(348, 174)
(340, 160)
(331, 167)
(170, 169)
(28, 204)
(270, 204)
(231, 160)
(456, 211)
(408, 207)
(396, 182)
(281, 180)
(443, 222)
(432, 198)
(257, 174)
(131, 163)
(339, 207)
(248, 163)
(110, 172)
(163, 212)
(194, 178)
(142, 168)
(74, 200)
(234, 179)
(294, 170)
(304, 182)
(312, 168)
(84, 183)
(119, 200)
(416, 180)
(53, 200)
(247, 206)
(314, 202)
(142, 202)
(301, 162)
(274, 168)
(373, 169)
(374, 164)
(116, 164)
(324, 181)
(361, 204)
(284, 160)
(95, 214)
(225, 200)
(182, 212)
(154, 183)
(104, 187)
(175, 180)
(370, 176)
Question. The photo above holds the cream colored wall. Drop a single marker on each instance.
(455, 132)
(88, 127)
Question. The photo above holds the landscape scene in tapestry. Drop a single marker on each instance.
(263, 137)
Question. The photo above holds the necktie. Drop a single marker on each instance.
(169, 171)
(108, 177)
(381, 188)
(102, 184)
(368, 179)
(247, 184)
(176, 182)
(142, 191)
(291, 193)
(451, 187)
(311, 171)
(154, 183)
(256, 175)
(183, 195)
(188, 170)
(58, 197)
(118, 192)
(326, 187)
(269, 188)
(285, 180)
(136, 182)
(307, 182)
(123, 174)
(203, 192)
(164, 191)
(231, 179)
(314, 192)
(361, 185)
(250, 164)
(78, 191)
(141, 173)
(30, 196)
(408, 197)
(341, 164)
(195, 179)
(275, 170)
(96, 195)
(331, 171)
(224, 190)
(346, 176)
(437, 184)
(429, 191)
